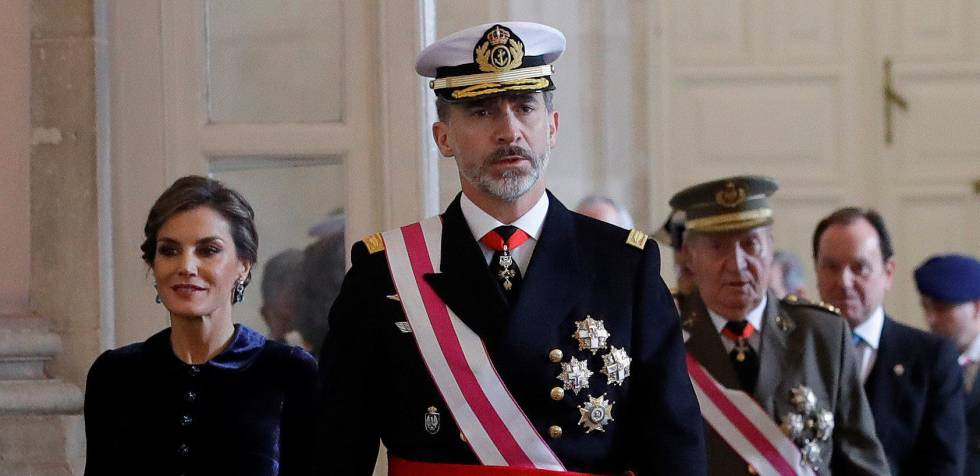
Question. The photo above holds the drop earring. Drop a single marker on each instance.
(239, 293)
(157, 299)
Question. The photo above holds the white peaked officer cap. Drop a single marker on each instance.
(494, 58)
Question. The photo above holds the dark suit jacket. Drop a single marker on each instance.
(916, 393)
(800, 344)
(376, 384)
(972, 403)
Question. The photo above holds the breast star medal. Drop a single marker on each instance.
(808, 425)
(616, 365)
(591, 334)
(575, 375)
(595, 413)
(506, 262)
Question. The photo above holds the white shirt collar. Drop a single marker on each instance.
(754, 316)
(972, 352)
(481, 223)
(870, 329)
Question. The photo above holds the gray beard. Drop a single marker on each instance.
(514, 183)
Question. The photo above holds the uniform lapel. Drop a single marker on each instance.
(464, 282)
(774, 353)
(705, 344)
(555, 278)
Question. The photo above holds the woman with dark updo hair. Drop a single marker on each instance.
(205, 396)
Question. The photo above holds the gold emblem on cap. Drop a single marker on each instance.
(500, 50)
(730, 196)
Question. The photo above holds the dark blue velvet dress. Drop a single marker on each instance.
(247, 412)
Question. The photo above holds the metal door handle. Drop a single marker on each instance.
(891, 98)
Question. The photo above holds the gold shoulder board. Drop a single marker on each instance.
(374, 243)
(637, 239)
(795, 300)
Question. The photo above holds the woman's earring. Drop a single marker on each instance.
(158, 293)
(239, 293)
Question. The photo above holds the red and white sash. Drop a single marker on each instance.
(745, 426)
(494, 425)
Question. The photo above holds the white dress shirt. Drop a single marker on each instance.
(754, 317)
(481, 223)
(870, 333)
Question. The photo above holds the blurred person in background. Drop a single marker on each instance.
(911, 377)
(281, 279)
(949, 289)
(786, 275)
(605, 209)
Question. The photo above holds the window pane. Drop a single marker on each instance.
(298, 205)
(273, 62)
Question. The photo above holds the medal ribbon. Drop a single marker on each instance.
(495, 242)
(495, 427)
(745, 426)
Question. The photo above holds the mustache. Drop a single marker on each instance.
(510, 151)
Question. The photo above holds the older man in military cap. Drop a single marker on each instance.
(777, 379)
(508, 335)
(949, 288)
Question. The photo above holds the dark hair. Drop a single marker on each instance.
(848, 215)
(442, 105)
(194, 191)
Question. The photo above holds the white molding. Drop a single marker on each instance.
(410, 176)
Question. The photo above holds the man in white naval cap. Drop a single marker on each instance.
(507, 335)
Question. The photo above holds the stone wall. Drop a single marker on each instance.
(64, 212)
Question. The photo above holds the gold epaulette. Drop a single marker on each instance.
(374, 243)
(795, 300)
(637, 239)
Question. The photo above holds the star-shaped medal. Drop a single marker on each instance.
(595, 413)
(616, 365)
(591, 334)
(575, 375)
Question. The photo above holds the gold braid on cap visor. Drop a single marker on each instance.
(483, 78)
(492, 88)
(731, 221)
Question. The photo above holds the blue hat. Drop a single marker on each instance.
(489, 59)
(949, 278)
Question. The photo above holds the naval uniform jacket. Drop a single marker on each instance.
(377, 385)
(915, 389)
(800, 344)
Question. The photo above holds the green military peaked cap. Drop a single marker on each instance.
(728, 204)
